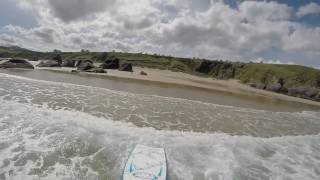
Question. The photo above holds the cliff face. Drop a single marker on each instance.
(292, 80)
(220, 69)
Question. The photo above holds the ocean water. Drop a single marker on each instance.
(54, 130)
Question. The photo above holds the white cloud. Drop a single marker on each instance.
(265, 11)
(311, 8)
(271, 61)
(71, 10)
(206, 29)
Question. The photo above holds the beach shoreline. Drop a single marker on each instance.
(187, 80)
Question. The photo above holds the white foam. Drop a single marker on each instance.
(72, 144)
(158, 112)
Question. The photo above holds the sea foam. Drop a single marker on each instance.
(38, 142)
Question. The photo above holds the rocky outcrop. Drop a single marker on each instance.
(78, 62)
(276, 88)
(16, 63)
(219, 69)
(49, 63)
(317, 98)
(68, 63)
(57, 58)
(111, 64)
(126, 67)
(304, 92)
(204, 67)
(85, 65)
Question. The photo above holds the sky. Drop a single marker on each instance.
(282, 31)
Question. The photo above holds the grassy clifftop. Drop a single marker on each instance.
(293, 75)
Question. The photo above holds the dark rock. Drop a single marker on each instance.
(281, 81)
(317, 98)
(304, 92)
(204, 67)
(78, 62)
(284, 90)
(311, 92)
(296, 91)
(96, 70)
(254, 85)
(111, 64)
(74, 71)
(49, 63)
(278, 88)
(126, 67)
(16, 63)
(143, 73)
(85, 65)
(218, 69)
(68, 63)
(57, 58)
(275, 87)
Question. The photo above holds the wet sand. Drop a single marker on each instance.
(178, 78)
(178, 85)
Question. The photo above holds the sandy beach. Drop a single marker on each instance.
(169, 77)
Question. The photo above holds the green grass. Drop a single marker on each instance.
(294, 75)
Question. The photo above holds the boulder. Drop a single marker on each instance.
(317, 98)
(16, 63)
(204, 67)
(110, 64)
(126, 67)
(57, 58)
(275, 87)
(296, 91)
(311, 92)
(78, 62)
(305, 92)
(143, 73)
(96, 70)
(49, 63)
(85, 65)
(68, 63)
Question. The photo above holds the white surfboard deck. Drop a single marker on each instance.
(146, 163)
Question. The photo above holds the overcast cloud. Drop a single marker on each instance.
(214, 29)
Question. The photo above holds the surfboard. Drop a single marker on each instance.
(146, 163)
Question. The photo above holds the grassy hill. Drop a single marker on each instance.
(265, 74)
(293, 75)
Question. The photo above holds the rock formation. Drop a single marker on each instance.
(16, 63)
(111, 64)
(68, 63)
(126, 67)
(85, 65)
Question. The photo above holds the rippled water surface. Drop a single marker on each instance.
(52, 130)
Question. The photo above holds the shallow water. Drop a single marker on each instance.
(167, 90)
(53, 130)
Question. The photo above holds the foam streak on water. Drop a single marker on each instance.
(62, 131)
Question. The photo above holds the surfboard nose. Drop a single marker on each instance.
(146, 162)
